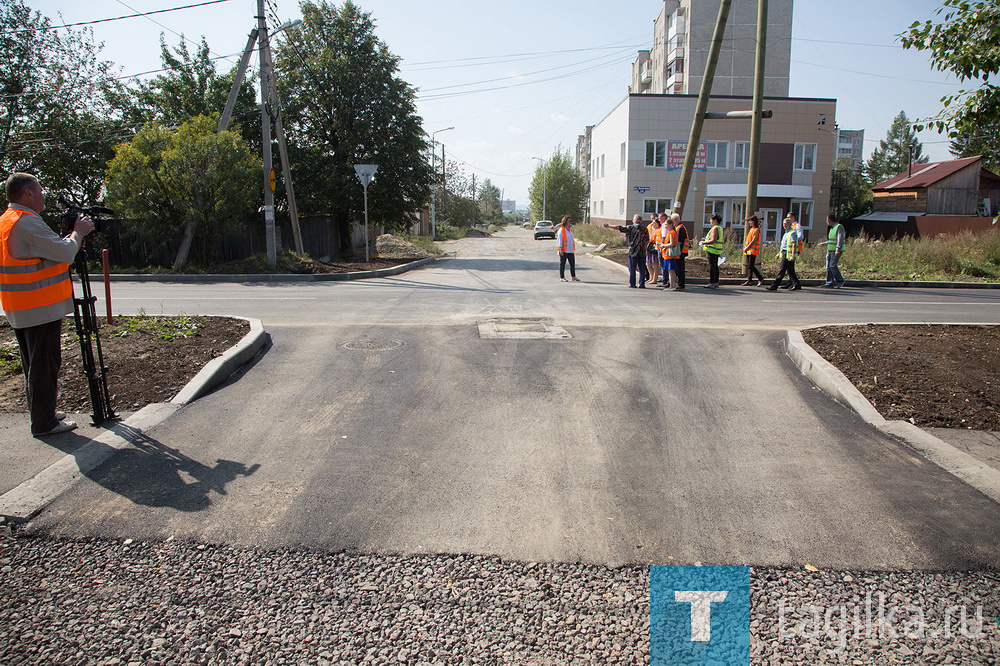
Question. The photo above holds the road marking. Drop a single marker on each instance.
(213, 298)
(948, 302)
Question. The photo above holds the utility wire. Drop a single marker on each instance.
(116, 18)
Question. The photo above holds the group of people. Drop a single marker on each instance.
(657, 252)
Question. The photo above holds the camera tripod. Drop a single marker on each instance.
(85, 316)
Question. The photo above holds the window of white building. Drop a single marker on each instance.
(603, 163)
(717, 154)
(805, 157)
(621, 206)
(602, 207)
(741, 155)
(656, 206)
(656, 153)
(624, 156)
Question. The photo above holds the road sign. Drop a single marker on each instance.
(641, 189)
(365, 173)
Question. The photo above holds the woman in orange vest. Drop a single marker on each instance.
(36, 293)
(567, 249)
(652, 253)
(751, 250)
(671, 252)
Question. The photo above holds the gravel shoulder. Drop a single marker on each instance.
(98, 601)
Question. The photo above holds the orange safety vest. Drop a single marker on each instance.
(564, 240)
(752, 245)
(797, 228)
(670, 239)
(686, 245)
(29, 283)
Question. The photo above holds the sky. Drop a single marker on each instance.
(519, 79)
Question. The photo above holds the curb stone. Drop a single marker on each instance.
(912, 284)
(23, 502)
(832, 381)
(269, 277)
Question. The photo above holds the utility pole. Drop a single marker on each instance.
(265, 137)
(702, 107)
(753, 172)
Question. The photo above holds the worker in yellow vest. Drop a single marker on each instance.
(787, 254)
(712, 243)
(36, 293)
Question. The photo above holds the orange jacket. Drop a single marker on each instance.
(670, 240)
(752, 244)
(29, 283)
(567, 243)
(686, 243)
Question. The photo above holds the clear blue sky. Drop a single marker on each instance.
(518, 78)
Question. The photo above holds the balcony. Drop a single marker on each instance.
(646, 73)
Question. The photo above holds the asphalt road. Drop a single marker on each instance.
(670, 428)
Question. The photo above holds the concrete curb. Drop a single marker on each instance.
(832, 381)
(270, 277)
(20, 504)
(913, 284)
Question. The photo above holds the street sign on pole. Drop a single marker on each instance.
(365, 174)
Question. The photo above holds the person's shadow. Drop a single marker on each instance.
(151, 473)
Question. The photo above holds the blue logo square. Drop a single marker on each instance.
(699, 615)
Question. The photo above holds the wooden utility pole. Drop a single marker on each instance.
(753, 172)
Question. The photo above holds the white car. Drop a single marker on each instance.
(545, 228)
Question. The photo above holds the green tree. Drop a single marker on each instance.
(184, 182)
(986, 144)
(60, 104)
(191, 87)
(489, 201)
(562, 187)
(966, 42)
(344, 105)
(852, 194)
(893, 154)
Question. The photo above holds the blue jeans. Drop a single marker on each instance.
(833, 275)
(637, 264)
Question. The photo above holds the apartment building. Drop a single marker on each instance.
(637, 152)
(682, 36)
(851, 143)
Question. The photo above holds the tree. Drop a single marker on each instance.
(191, 87)
(562, 187)
(60, 105)
(987, 145)
(852, 194)
(345, 105)
(489, 201)
(893, 154)
(965, 42)
(187, 181)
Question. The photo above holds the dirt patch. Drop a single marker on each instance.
(936, 375)
(352, 267)
(143, 367)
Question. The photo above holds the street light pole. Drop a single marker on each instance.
(434, 186)
(545, 175)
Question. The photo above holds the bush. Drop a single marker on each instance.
(595, 235)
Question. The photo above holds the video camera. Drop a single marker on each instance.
(97, 214)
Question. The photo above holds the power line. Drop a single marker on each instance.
(173, 31)
(118, 18)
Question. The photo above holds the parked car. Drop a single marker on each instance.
(545, 228)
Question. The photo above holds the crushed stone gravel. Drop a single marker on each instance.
(121, 602)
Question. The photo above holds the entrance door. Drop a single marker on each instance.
(771, 224)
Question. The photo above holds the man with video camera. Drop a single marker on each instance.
(36, 293)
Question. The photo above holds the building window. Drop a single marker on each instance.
(804, 211)
(603, 162)
(717, 154)
(741, 155)
(624, 157)
(805, 157)
(595, 208)
(656, 206)
(738, 217)
(621, 206)
(656, 153)
(602, 207)
(714, 207)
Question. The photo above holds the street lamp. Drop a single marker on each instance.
(434, 189)
(365, 173)
(545, 173)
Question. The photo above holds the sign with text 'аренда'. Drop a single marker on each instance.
(699, 615)
(676, 150)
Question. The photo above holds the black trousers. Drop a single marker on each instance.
(680, 271)
(571, 258)
(713, 268)
(41, 356)
(787, 266)
(752, 268)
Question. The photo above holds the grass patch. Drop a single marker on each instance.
(10, 358)
(163, 328)
(595, 235)
(425, 243)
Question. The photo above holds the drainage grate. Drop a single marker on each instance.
(521, 329)
(371, 344)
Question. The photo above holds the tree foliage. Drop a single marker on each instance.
(892, 156)
(489, 202)
(60, 104)
(561, 186)
(852, 194)
(185, 182)
(966, 42)
(344, 105)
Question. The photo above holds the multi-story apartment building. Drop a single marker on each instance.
(682, 35)
(851, 143)
(638, 149)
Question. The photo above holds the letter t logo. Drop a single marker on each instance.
(701, 610)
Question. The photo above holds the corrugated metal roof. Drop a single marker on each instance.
(926, 174)
(886, 216)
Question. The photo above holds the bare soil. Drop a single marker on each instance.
(936, 375)
(143, 368)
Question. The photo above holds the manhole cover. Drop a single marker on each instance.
(521, 329)
(369, 344)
